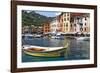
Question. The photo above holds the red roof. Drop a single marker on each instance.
(77, 14)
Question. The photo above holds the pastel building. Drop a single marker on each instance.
(60, 23)
(46, 27)
(86, 24)
(80, 23)
(68, 23)
(65, 22)
(25, 29)
(54, 26)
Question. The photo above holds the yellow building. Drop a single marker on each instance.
(65, 22)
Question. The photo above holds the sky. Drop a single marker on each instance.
(48, 13)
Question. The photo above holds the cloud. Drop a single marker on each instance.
(58, 13)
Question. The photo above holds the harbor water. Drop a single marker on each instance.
(77, 50)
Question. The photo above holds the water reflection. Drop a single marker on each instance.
(78, 49)
(43, 42)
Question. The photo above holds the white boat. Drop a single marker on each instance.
(27, 36)
(37, 35)
(83, 38)
(57, 37)
(44, 51)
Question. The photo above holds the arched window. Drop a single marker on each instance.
(81, 29)
(85, 18)
(85, 24)
(85, 29)
(75, 25)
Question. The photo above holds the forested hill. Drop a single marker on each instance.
(33, 18)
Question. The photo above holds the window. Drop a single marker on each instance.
(85, 18)
(68, 14)
(85, 29)
(85, 24)
(67, 18)
(78, 18)
(81, 24)
(81, 29)
(66, 24)
(75, 29)
(75, 25)
(64, 19)
(71, 25)
(64, 15)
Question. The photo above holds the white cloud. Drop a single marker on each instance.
(58, 13)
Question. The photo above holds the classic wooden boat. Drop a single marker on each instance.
(44, 51)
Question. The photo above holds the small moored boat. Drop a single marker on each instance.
(44, 51)
(83, 38)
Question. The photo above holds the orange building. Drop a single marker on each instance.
(46, 27)
(60, 23)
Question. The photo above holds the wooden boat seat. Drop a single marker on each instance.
(35, 49)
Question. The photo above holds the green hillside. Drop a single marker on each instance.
(33, 18)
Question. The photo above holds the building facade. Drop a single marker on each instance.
(80, 23)
(54, 27)
(86, 24)
(26, 29)
(60, 23)
(46, 27)
(66, 22)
